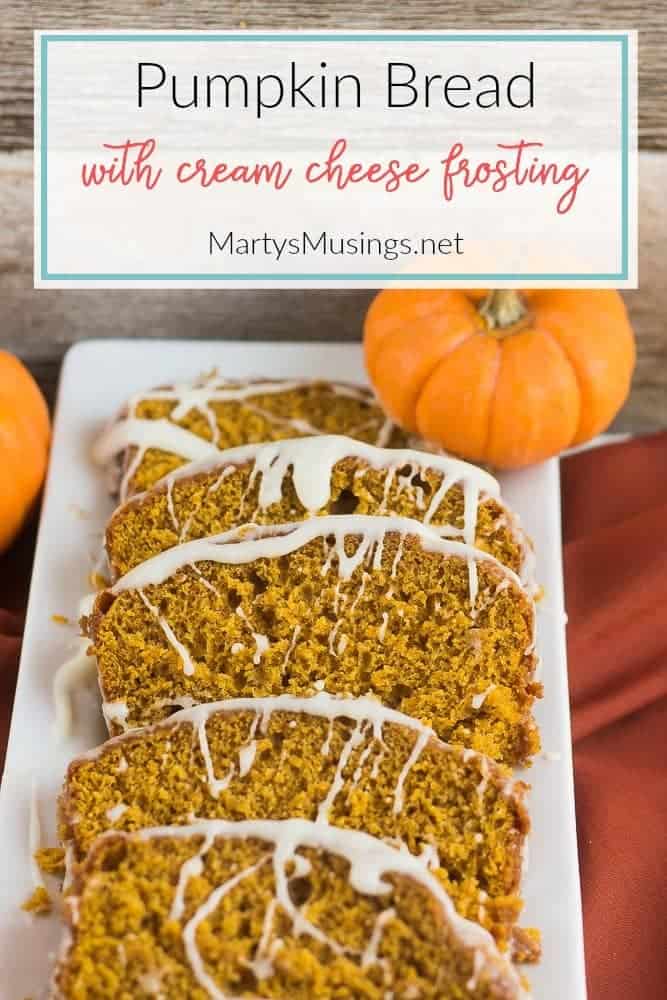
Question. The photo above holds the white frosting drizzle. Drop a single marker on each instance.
(247, 758)
(365, 577)
(134, 432)
(477, 969)
(478, 700)
(181, 650)
(262, 963)
(227, 471)
(250, 542)
(326, 746)
(192, 868)
(370, 717)
(370, 953)
(166, 435)
(323, 704)
(429, 855)
(115, 812)
(377, 763)
(262, 644)
(67, 679)
(297, 424)
(170, 506)
(215, 785)
(215, 388)
(370, 861)
(292, 644)
(313, 459)
(420, 742)
(486, 774)
(115, 713)
(448, 480)
(363, 757)
(261, 641)
(247, 752)
(202, 579)
(70, 675)
(247, 543)
(357, 736)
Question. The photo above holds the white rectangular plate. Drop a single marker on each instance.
(96, 379)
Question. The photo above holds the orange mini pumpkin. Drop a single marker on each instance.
(505, 377)
(24, 445)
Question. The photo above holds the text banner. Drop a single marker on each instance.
(336, 159)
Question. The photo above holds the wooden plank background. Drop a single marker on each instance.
(39, 325)
(16, 95)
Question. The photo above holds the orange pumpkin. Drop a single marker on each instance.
(505, 377)
(24, 445)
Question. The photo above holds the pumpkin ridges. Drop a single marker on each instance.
(18, 486)
(609, 339)
(20, 393)
(24, 445)
(465, 413)
(399, 398)
(581, 378)
(492, 395)
(413, 351)
(565, 354)
(395, 309)
(24, 457)
(536, 378)
(391, 311)
(392, 307)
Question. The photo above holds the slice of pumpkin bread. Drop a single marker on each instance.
(348, 604)
(160, 429)
(349, 762)
(294, 479)
(289, 910)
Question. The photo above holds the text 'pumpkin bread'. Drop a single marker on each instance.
(297, 478)
(161, 429)
(350, 762)
(289, 910)
(348, 604)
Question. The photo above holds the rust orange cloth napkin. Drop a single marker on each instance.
(615, 533)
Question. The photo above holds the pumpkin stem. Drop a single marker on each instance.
(503, 308)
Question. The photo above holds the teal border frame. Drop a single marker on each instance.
(622, 38)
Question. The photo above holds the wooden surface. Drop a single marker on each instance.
(19, 17)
